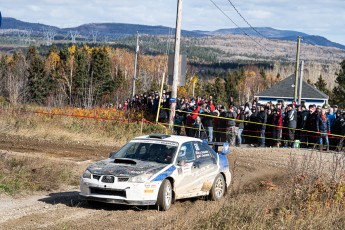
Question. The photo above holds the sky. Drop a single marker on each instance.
(315, 17)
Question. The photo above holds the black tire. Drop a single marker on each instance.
(165, 196)
(218, 188)
(93, 203)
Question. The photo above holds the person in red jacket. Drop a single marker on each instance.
(278, 126)
(191, 118)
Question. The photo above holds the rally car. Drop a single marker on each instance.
(157, 170)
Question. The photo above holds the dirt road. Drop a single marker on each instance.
(62, 209)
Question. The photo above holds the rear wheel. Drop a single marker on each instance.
(165, 196)
(218, 188)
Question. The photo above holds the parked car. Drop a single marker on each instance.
(157, 170)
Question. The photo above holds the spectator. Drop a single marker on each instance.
(323, 128)
(207, 122)
(291, 124)
(311, 125)
(262, 119)
(240, 125)
(278, 126)
(231, 129)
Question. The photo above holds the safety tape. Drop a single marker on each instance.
(251, 136)
(252, 122)
(128, 121)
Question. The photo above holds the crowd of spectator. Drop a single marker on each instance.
(263, 125)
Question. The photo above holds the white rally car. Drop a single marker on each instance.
(157, 170)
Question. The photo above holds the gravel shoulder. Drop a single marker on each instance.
(62, 209)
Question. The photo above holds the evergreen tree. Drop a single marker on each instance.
(231, 83)
(81, 80)
(39, 85)
(100, 74)
(339, 90)
(321, 85)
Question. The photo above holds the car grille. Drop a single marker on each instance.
(108, 179)
(109, 192)
(122, 179)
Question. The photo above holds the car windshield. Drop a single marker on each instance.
(148, 151)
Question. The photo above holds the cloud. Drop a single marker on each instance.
(325, 18)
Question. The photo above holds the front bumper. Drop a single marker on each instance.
(119, 193)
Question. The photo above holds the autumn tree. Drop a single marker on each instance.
(15, 78)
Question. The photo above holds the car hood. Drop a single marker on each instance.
(130, 169)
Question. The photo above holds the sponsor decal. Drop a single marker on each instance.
(179, 171)
(165, 174)
(205, 154)
(148, 191)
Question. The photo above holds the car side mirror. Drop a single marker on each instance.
(112, 154)
(225, 149)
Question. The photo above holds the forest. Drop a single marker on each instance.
(85, 76)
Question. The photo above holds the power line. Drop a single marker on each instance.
(246, 20)
(244, 32)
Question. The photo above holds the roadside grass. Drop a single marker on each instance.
(20, 175)
(78, 129)
(311, 195)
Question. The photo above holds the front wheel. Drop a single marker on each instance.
(218, 188)
(165, 196)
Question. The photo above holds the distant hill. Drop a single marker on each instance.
(116, 30)
(287, 35)
(11, 23)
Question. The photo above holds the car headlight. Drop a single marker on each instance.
(140, 178)
(87, 174)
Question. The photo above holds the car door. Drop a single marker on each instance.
(207, 163)
(186, 184)
(197, 170)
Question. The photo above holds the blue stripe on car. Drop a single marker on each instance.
(223, 162)
(165, 174)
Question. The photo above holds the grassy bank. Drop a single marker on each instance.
(27, 174)
(310, 195)
(104, 126)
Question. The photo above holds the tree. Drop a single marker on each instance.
(339, 90)
(80, 87)
(100, 74)
(16, 78)
(37, 85)
(321, 85)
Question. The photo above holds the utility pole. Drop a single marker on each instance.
(176, 62)
(297, 67)
(135, 66)
(300, 84)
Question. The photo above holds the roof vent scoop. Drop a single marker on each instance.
(159, 136)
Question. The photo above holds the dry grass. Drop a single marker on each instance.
(311, 195)
(67, 128)
(21, 174)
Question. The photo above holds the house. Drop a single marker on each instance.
(284, 92)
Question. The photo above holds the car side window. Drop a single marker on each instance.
(204, 152)
(186, 152)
